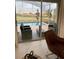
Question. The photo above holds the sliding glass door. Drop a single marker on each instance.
(36, 17)
(49, 16)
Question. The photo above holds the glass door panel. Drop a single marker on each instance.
(49, 16)
(28, 15)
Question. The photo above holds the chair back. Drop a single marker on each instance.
(50, 37)
(54, 43)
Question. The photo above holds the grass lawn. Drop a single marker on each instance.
(30, 19)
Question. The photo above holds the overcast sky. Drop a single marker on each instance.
(30, 6)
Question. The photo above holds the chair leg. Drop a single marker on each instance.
(48, 55)
(51, 54)
(58, 57)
